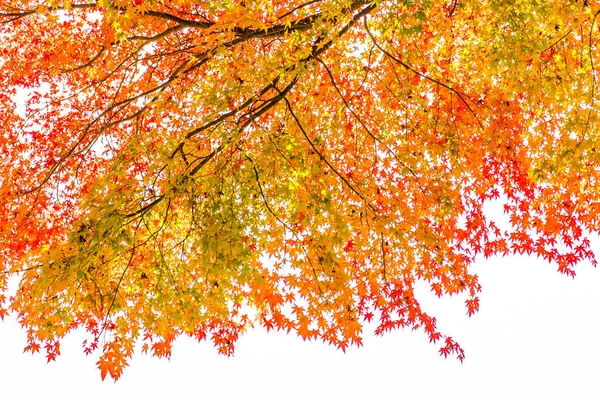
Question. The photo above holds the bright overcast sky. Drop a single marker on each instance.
(537, 336)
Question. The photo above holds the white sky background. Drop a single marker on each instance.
(536, 336)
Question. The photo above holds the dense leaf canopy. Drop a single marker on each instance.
(196, 167)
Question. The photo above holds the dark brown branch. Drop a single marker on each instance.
(319, 153)
(158, 36)
(293, 10)
(254, 114)
(87, 64)
(179, 21)
(408, 67)
(264, 197)
(361, 122)
(13, 16)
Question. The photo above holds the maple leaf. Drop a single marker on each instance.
(162, 349)
(472, 306)
(32, 347)
(369, 316)
(174, 168)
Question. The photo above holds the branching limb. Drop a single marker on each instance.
(460, 95)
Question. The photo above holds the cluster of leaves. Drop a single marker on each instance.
(196, 167)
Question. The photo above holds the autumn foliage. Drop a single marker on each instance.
(198, 167)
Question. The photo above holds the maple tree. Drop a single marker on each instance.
(197, 167)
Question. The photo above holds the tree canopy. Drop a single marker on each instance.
(198, 167)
